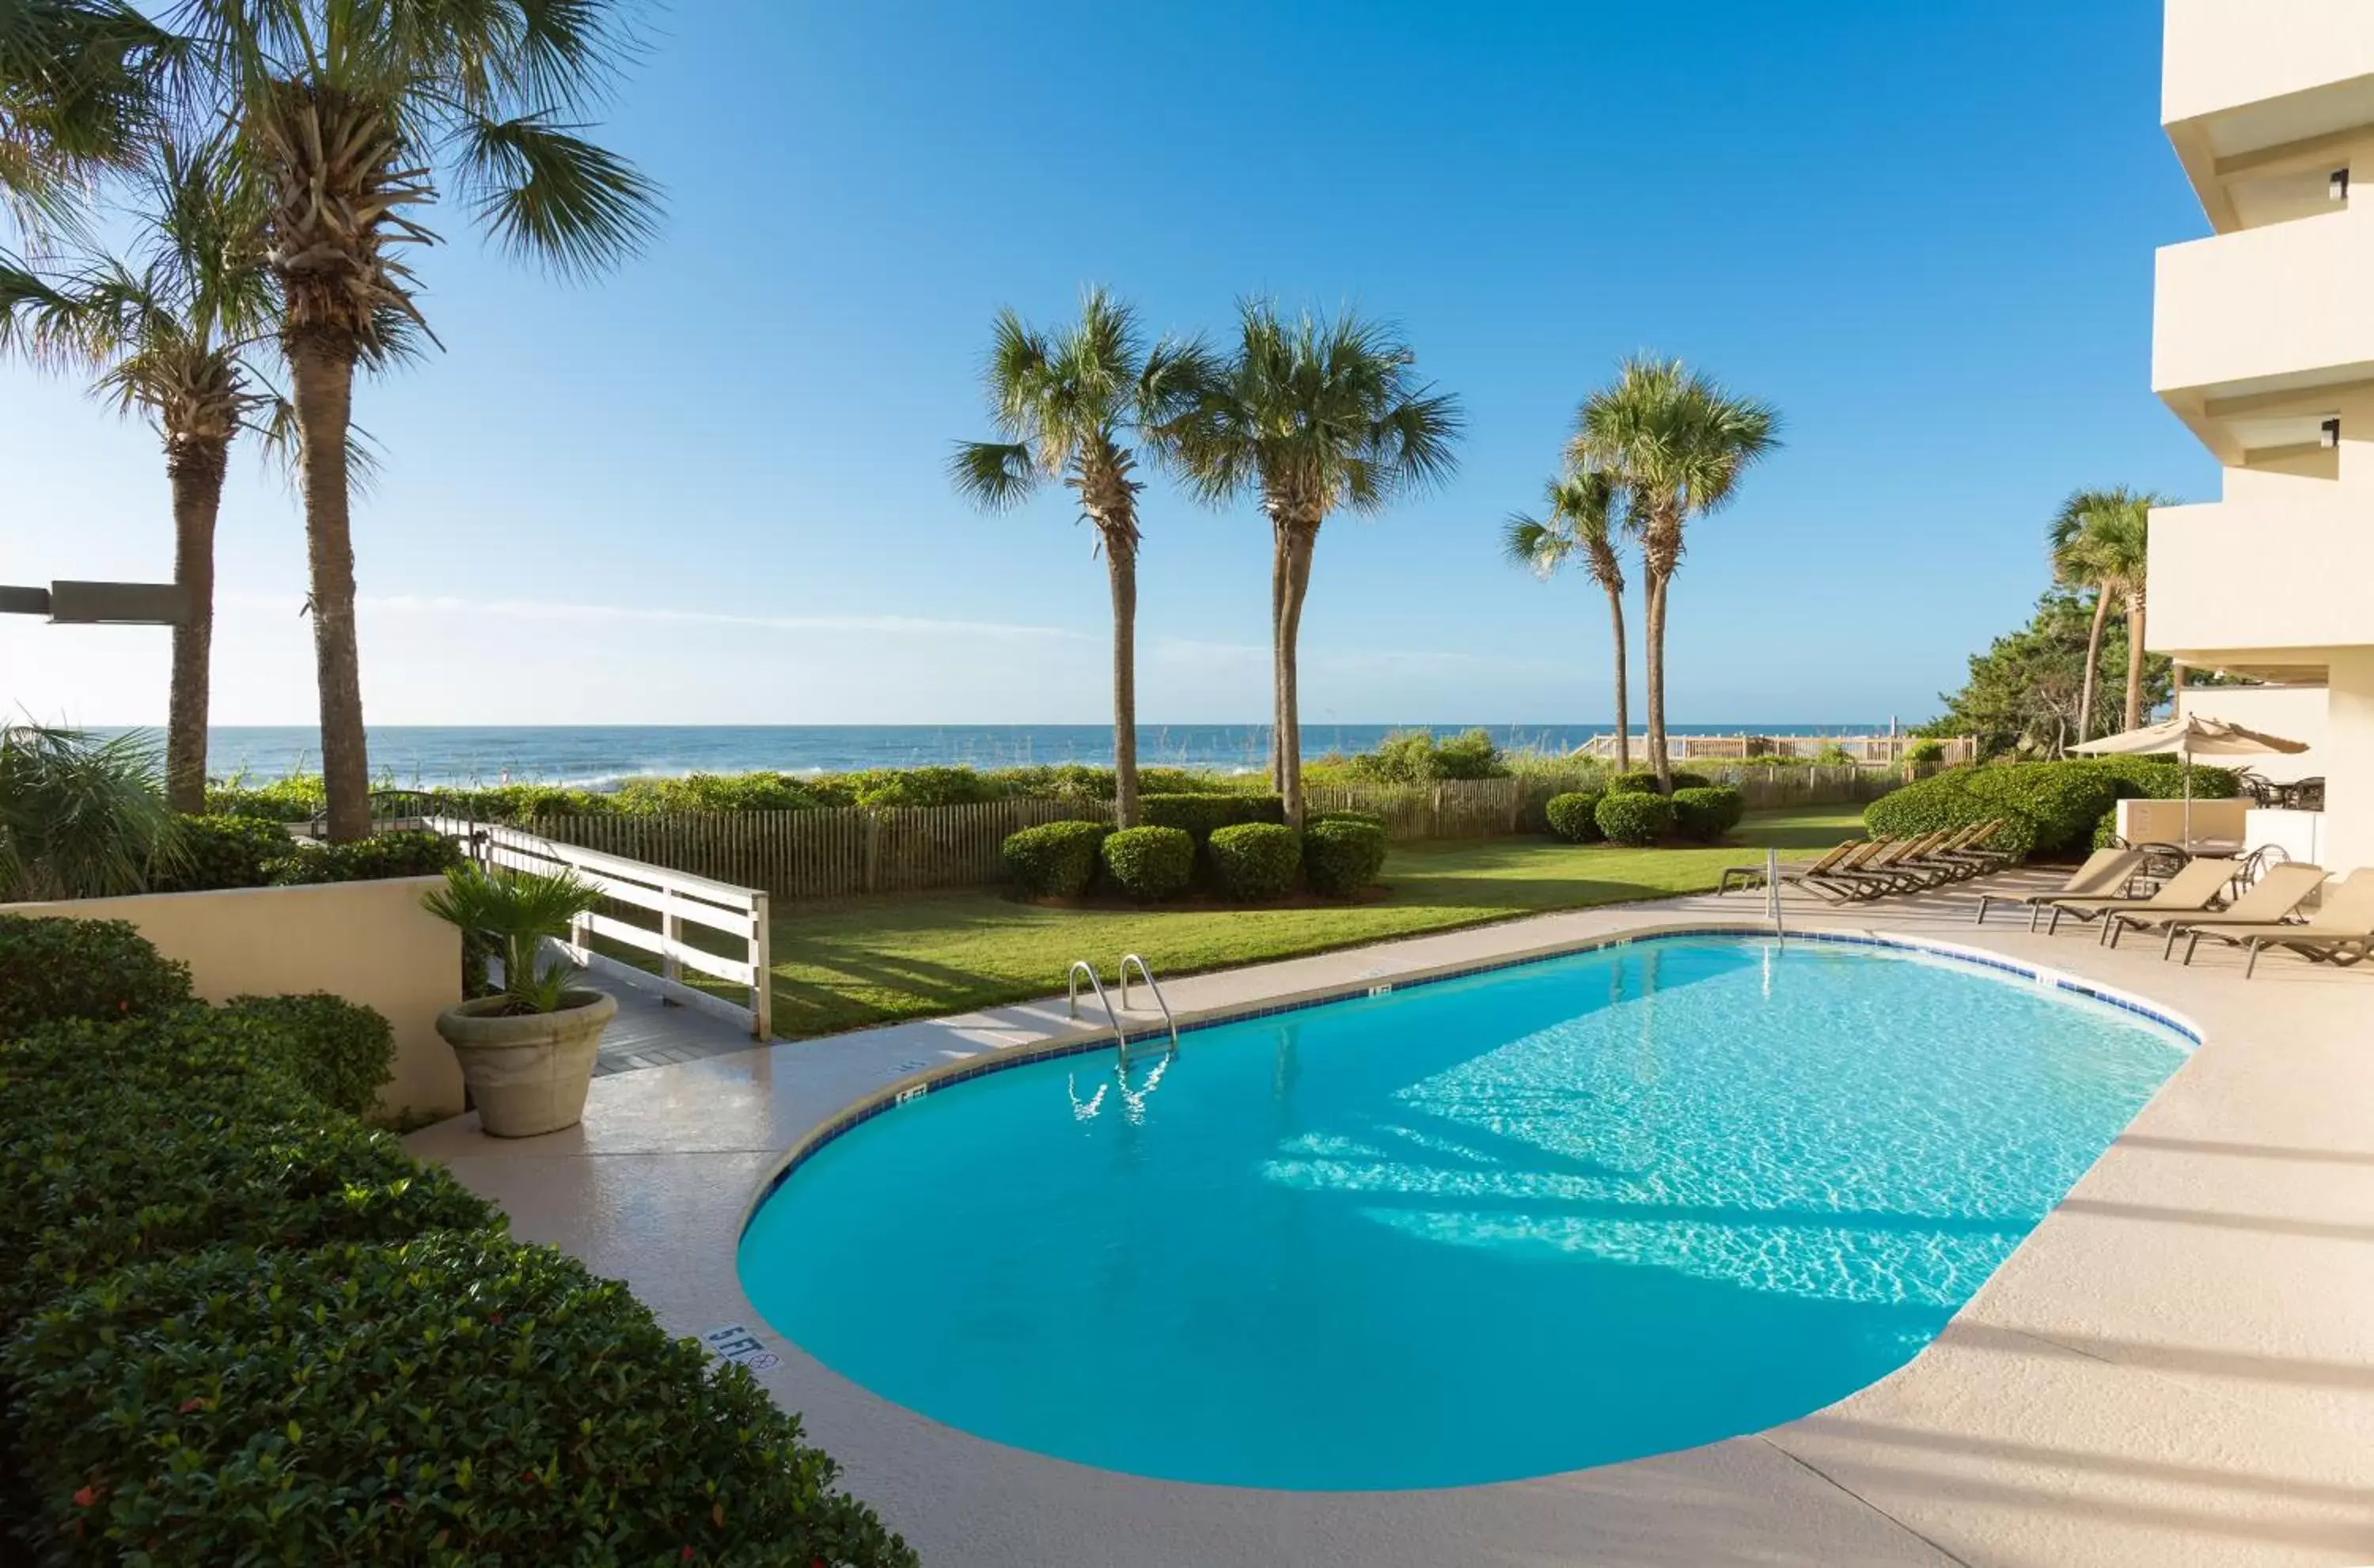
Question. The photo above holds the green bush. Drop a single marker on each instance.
(1056, 860)
(124, 1143)
(1372, 818)
(1707, 812)
(1341, 859)
(53, 969)
(300, 797)
(715, 792)
(1415, 756)
(1640, 781)
(411, 851)
(1574, 816)
(222, 851)
(1634, 818)
(1252, 862)
(1924, 751)
(886, 789)
(452, 1398)
(339, 1051)
(1946, 801)
(1199, 816)
(1150, 863)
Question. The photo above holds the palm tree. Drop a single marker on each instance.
(1678, 442)
(348, 111)
(1582, 520)
(1068, 405)
(1315, 414)
(75, 75)
(170, 339)
(2098, 540)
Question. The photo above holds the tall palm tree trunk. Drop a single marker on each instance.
(1120, 566)
(1301, 542)
(1623, 681)
(2093, 666)
(1654, 639)
(1280, 571)
(193, 464)
(2135, 659)
(322, 373)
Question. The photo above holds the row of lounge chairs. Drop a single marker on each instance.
(2207, 899)
(2266, 914)
(1864, 869)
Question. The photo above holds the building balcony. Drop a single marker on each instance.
(2251, 329)
(2219, 56)
(2263, 586)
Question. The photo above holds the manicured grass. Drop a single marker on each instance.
(849, 963)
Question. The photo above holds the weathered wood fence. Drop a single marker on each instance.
(832, 854)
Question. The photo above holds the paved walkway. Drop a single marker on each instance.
(2176, 1368)
(650, 1032)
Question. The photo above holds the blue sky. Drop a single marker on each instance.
(709, 488)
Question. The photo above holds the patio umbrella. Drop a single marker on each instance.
(2190, 736)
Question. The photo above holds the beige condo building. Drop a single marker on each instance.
(2263, 343)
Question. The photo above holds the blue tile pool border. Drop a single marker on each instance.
(1000, 1060)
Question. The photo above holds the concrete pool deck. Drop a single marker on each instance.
(2176, 1368)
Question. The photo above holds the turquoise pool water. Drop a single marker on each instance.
(1558, 1215)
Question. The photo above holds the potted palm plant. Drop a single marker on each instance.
(528, 1051)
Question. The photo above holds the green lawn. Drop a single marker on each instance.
(848, 962)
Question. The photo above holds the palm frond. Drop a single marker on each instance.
(1534, 545)
(548, 194)
(993, 475)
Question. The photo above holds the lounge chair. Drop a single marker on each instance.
(2105, 874)
(1979, 850)
(2271, 901)
(1753, 876)
(1843, 881)
(1959, 857)
(2341, 931)
(2190, 891)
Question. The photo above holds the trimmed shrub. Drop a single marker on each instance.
(1341, 859)
(448, 1399)
(1707, 812)
(1943, 801)
(1926, 751)
(1692, 781)
(1373, 819)
(1256, 860)
(1057, 859)
(410, 851)
(1640, 781)
(339, 1051)
(1150, 863)
(121, 1144)
(222, 851)
(53, 969)
(1635, 819)
(2050, 807)
(1574, 816)
(1199, 816)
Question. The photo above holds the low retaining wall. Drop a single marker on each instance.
(369, 941)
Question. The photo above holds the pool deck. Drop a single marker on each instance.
(2176, 1368)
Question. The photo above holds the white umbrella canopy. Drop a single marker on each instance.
(2190, 736)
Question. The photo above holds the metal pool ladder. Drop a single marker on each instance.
(1071, 988)
(1169, 1022)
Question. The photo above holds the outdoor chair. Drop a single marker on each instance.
(2340, 932)
(1753, 876)
(2190, 891)
(2105, 874)
(2270, 901)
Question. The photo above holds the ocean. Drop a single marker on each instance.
(598, 755)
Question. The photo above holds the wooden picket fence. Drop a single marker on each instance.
(825, 854)
(832, 854)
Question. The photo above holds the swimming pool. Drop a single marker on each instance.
(1556, 1215)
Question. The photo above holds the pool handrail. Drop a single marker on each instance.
(1072, 987)
(1172, 1023)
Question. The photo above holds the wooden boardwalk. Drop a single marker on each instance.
(653, 1032)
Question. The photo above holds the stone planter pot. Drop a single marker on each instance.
(528, 1072)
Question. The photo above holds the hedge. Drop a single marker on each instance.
(340, 1052)
(1200, 816)
(1573, 816)
(242, 1328)
(53, 968)
(1643, 781)
(223, 851)
(1707, 812)
(1150, 863)
(410, 851)
(2048, 807)
(1253, 861)
(1056, 859)
(1341, 859)
(1372, 819)
(456, 1398)
(1635, 819)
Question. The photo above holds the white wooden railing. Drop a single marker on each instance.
(679, 899)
